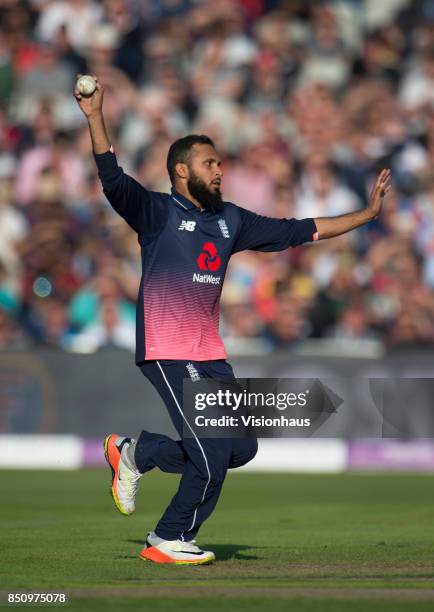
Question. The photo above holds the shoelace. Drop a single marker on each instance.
(187, 546)
(129, 479)
(130, 483)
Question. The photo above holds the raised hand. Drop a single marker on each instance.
(381, 188)
(91, 105)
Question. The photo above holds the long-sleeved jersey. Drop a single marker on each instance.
(185, 253)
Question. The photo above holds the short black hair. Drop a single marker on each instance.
(179, 152)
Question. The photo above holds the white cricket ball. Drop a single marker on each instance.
(86, 85)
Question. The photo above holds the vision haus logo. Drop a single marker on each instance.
(209, 259)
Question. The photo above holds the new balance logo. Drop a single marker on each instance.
(187, 225)
(224, 228)
(193, 373)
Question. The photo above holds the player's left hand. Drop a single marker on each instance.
(381, 188)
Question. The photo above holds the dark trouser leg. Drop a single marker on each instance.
(243, 451)
(199, 488)
(203, 462)
(158, 450)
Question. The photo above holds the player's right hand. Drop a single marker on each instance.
(91, 105)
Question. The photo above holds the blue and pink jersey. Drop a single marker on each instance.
(185, 253)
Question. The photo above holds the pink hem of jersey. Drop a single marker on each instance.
(187, 357)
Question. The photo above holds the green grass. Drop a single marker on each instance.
(293, 542)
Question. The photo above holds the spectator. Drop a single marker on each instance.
(78, 16)
(305, 100)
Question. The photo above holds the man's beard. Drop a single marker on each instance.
(210, 200)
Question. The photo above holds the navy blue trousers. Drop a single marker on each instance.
(202, 462)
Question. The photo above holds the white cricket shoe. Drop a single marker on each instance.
(174, 551)
(125, 476)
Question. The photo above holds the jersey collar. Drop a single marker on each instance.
(182, 201)
(188, 205)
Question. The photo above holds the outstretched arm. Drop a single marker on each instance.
(328, 227)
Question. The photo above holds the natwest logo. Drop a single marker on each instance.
(209, 259)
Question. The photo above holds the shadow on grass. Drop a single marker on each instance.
(223, 552)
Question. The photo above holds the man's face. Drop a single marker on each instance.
(204, 176)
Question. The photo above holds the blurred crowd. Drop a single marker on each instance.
(306, 101)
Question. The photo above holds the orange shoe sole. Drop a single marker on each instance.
(157, 556)
(112, 456)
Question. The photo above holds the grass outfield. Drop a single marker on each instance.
(293, 542)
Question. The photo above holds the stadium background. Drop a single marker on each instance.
(306, 102)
